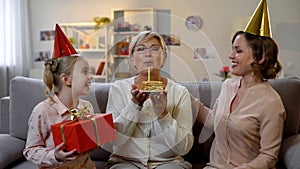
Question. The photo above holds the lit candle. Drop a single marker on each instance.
(148, 74)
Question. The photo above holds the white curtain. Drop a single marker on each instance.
(14, 42)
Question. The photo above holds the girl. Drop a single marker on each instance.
(66, 77)
(70, 78)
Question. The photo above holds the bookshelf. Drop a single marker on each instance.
(90, 42)
(127, 23)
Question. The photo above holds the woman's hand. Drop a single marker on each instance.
(60, 155)
(138, 97)
(159, 101)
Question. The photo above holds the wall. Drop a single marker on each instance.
(220, 20)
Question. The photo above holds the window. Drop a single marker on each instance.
(14, 41)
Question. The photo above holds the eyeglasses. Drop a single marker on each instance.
(155, 49)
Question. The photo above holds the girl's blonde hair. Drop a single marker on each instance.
(53, 69)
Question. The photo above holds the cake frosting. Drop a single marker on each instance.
(152, 86)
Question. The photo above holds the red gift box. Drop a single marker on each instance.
(84, 135)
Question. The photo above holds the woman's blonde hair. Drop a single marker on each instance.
(145, 36)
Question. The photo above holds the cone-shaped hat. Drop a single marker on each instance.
(62, 45)
(259, 23)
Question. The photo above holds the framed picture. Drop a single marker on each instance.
(47, 35)
(42, 55)
(203, 53)
(100, 68)
(123, 48)
(171, 40)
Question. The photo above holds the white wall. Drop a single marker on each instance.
(220, 20)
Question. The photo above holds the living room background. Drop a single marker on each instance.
(220, 19)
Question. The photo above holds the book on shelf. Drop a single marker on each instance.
(100, 68)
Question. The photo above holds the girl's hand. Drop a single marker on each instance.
(138, 97)
(60, 155)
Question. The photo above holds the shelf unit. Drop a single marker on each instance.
(127, 23)
(110, 43)
(90, 42)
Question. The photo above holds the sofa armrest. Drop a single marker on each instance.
(290, 152)
(4, 115)
(11, 149)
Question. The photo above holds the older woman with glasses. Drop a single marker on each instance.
(154, 129)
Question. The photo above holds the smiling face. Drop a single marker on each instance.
(241, 57)
(148, 54)
(81, 78)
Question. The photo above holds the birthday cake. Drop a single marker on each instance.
(152, 86)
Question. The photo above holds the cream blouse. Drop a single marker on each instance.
(250, 136)
(144, 140)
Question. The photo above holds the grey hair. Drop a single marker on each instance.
(144, 36)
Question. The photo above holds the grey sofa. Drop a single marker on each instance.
(25, 93)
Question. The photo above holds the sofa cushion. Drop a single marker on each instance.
(203, 137)
(4, 115)
(207, 92)
(287, 87)
(25, 93)
(22, 164)
(102, 154)
(11, 149)
(290, 152)
(98, 96)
